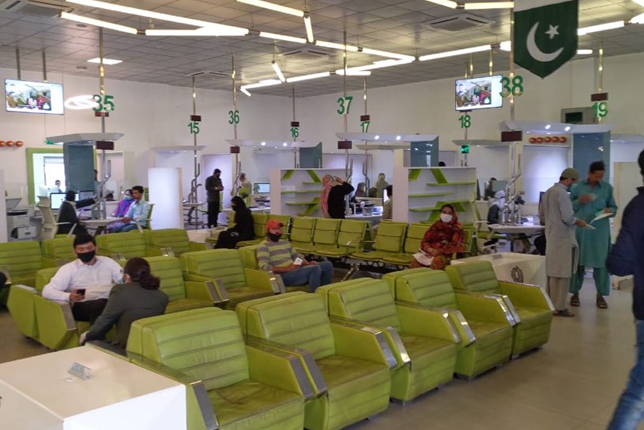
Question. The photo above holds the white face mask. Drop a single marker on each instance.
(446, 218)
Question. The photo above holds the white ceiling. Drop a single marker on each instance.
(389, 25)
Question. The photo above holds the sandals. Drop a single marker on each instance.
(563, 313)
(574, 300)
(601, 303)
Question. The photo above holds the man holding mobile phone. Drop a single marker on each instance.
(85, 282)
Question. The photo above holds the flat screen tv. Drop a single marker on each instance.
(34, 97)
(263, 188)
(479, 93)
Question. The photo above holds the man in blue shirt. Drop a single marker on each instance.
(627, 258)
(139, 211)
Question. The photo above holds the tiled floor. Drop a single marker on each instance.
(572, 383)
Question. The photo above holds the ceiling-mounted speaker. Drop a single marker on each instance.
(460, 22)
(50, 9)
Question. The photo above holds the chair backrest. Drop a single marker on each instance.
(223, 264)
(248, 255)
(414, 236)
(430, 288)
(296, 319)
(326, 231)
(148, 223)
(43, 276)
(21, 258)
(130, 244)
(284, 219)
(58, 248)
(49, 226)
(205, 344)
(365, 300)
(352, 231)
(259, 224)
(168, 269)
(302, 229)
(174, 238)
(479, 277)
(389, 236)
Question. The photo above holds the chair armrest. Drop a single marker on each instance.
(420, 320)
(491, 308)
(196, 246)
(458, 321)
(277, 368)
(56, 324)
(199, 414)
(261, 280)
(525, 295)
(153, 251)
(211, 290)
(360, 341)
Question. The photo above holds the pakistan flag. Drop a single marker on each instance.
(545, 34)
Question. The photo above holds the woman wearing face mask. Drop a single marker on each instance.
(243, 228)
(441, 241)
(122, 209)
(139, 297)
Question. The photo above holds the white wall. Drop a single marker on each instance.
(3, 210)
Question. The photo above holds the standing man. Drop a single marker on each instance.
(627, 258)
(590, 198)
(139, 211)
(214, 187)
(562, 253)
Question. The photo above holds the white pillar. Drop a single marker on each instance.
(3, 210)
(166, 194)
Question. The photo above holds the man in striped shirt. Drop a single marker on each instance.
(278, 256)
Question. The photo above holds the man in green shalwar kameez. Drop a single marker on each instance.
(590, 198)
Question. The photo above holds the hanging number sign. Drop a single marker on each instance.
(233, 117)
(295, 132)
(601, 109)
(512, 87)
(194, 127)
(344, 105)
(365, 126)
(466, 121)
(103, 103)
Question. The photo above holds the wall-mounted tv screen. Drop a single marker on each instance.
(479, 93)
(34, 97)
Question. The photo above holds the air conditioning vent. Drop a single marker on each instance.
(208, 74)
(306, 53)
(34, 7)
(464, 21)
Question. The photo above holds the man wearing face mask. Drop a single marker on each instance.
(278, 256)
(562, 253)
(85, 282)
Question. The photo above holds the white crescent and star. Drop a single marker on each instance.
(534, 50)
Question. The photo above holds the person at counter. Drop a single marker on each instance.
(243, 228)
(496, 207)
(360, 191)
(333, 196)
(387, 208)
(67, 216)
(593, 197)
(381, 184)
(441, 241)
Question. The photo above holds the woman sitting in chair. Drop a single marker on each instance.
(443, 239)
(243, 229)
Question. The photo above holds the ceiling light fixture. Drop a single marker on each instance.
(489, 5)
(106, 61)
(639, 19)
(203, 31)
(505, 46)
(446, 3)
(282, 37)
(339, 46)
(455, 53)
(273, 7)
(387, 54)
(98, 23)
(284, 144)
(161, 16)
(261, 84)
(600, 27)
(278, 71)
(584, 52)
(378, 65)
(308, 77)
(309, 28)
(245, 91)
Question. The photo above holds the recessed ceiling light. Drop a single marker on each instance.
(567, 128)
(284, 144)
(81, 25)
(263, 143)
(377, 137)
(548, 127)
(106, 61)
(398, 137)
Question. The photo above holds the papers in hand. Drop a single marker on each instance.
(601, 215)
(423, 258)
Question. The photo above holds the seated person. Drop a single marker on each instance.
(67, 213)
(278, 256)
(243, 229)
(360, 191)
(121, 209)
(139, 210)
(387, 209)
(442, 239)
(494, 213)
(139, 297)
(85, 282)
(372, 193)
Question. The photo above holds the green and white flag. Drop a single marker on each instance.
(545, 34)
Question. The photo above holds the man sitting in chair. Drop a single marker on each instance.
(67, 217)
(85, 282)
(279, 256)
(139, 211)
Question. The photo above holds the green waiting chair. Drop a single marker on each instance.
(183, 295)
(413, 239)
(351, 236)
(170, 242)
(229, 385)
(325, 236)
(484, 323)
(301, 235)
(122, 246)
(19, 261)
(225, 269)
(57, 251)
(259, 227)
(530, 306)
(388, 242)
(423, 340)
(347, 364)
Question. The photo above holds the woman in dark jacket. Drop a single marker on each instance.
(67, 213)
(139, 297)
(243, 228)
(333, 198)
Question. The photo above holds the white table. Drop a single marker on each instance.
(515, 232)
(38, 393)
(373, 219)
(98, 224)
(513, 267)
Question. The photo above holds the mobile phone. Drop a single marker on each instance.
(81, 291)
(298, 261)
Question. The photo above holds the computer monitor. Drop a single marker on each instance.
(83, 195)
(263, 188)
(55, 200)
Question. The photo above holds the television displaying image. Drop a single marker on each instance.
(34, 97)
(479, 93)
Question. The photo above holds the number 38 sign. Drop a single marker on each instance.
(512, 86)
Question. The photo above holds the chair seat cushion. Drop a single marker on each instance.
(181, 305)
(242, 294)
(28, 280)
(426, 350)
(532, 317)
(252, 242)
(333, 252)
(489, 333)
(371, 256)
(304, 248)
(252, 405)
(293, 288)
(400, 259)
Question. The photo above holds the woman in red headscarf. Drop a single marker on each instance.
(444, 238)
